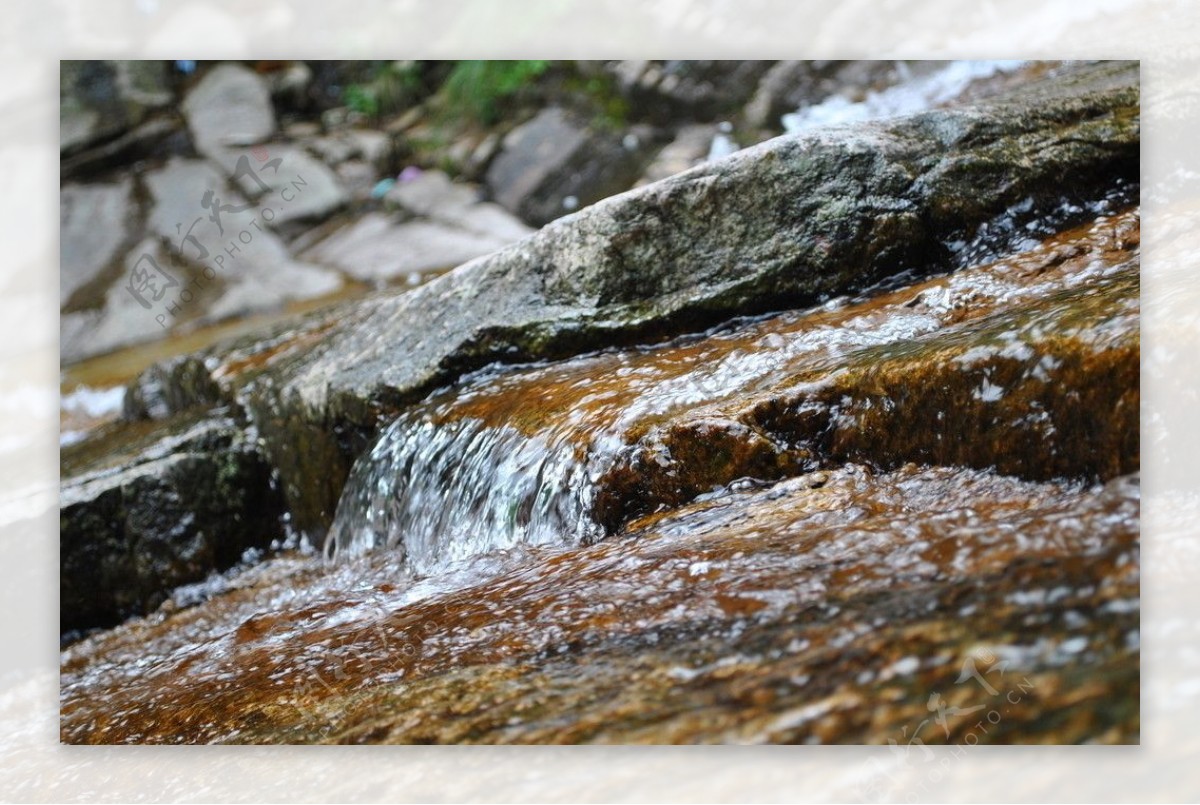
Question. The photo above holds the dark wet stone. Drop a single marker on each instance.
(99, 100)
(160, 137)
(169, 386)
(146, 507)
(555, 164)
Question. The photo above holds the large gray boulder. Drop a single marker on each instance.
(378, 248)
(432, 226)
(432, 195)
(776, 226)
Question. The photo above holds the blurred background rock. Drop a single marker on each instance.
(405, 169)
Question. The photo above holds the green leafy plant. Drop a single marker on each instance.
(610, 110)
(361, 98)
(391, 87)
(477, 89)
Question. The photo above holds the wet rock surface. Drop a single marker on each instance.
(1027, 364)
(1046, 391)
(826, 609)
(831, 440)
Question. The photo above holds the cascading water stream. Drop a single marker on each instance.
(511, 456)
(447, 491)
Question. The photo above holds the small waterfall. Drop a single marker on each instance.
(512, 457)
(445, 491)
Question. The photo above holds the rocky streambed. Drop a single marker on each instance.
(833, 440)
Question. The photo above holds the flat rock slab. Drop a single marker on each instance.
(377, 248)
(94, 223)
(120, 320)
(231, 106)
(302, 188)
(436, 225)
(434, 196)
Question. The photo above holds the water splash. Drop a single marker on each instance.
(445, 491)
(908, 97)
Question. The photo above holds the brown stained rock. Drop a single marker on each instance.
(1070, 412)
(820, 609)
(1049, 389)
(682, 461)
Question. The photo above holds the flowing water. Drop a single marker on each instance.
(510, 458)
(912, 94)
(822, 602)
